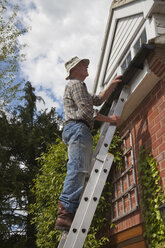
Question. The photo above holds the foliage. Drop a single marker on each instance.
(151, 198)
(47, 188)
(48, 185)
(116, 150)
(11, 29)
(25, 134)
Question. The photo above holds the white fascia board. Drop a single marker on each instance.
(140, 86)
(106, 55)
(151, 28)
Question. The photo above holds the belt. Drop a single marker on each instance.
(77, 121)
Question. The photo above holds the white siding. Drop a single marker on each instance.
(125, 29)
(160, 24)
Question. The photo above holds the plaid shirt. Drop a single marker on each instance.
(78, 103)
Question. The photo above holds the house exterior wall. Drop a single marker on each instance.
(144, 112)
(147, 126)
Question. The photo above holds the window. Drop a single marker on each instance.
(125, 199)
(142, 40)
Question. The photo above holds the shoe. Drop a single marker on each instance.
(64, 218)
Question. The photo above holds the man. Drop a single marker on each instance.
(79, 116)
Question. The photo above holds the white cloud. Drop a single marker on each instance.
(49, 103)
(60, 30)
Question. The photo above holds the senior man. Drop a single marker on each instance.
(79, 117)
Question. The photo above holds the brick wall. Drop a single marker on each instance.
(147, 126)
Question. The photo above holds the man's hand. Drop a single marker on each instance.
(107, 92)
(114, 119)
(116, 80)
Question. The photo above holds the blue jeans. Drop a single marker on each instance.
(78, 139)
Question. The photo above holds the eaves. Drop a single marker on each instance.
(135, 65)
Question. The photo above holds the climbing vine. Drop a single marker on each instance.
(151, 198)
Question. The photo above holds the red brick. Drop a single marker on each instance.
(137, 219)
(162, 106)
(133, 220)
(162, 165)
(155, 128)
(157, 143)
(160, 157)
(150, 111)
(160, 132)
(162, 173)
(153, 115)
(163, 122)
(158, 118)
(162, 148)
(152, 123)
(155, 153)
(153, 138)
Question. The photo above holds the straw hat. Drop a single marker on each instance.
(72, 63)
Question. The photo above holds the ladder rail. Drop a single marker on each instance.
(88, 204)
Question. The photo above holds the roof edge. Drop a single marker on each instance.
(119, 3)
(135, 65)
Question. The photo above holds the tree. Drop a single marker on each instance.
(10, 51)
(24, 136)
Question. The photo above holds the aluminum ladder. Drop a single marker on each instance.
(101, 165)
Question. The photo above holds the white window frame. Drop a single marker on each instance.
(130, 188)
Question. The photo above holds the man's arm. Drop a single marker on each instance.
(113, 119)
(108, 91)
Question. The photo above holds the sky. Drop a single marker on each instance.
(58, 31)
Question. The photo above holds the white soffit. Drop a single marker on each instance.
(142, 84)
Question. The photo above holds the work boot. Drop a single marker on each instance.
(64, 218)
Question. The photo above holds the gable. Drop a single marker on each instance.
(130, 25)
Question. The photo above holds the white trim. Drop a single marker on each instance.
(151, 28)
(140, 86)
(106, 55)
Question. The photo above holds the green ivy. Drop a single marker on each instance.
(48, 185)
(47, 189)
(151, 198)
